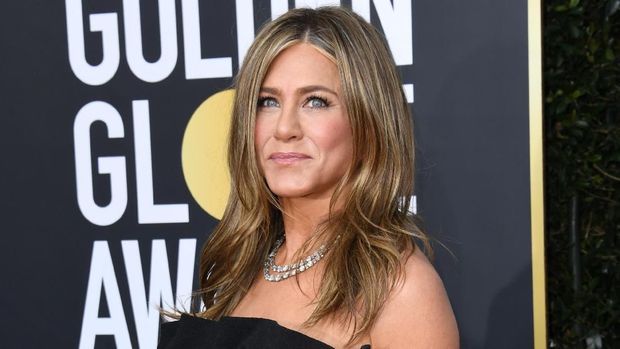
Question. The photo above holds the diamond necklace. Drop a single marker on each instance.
(283, 272)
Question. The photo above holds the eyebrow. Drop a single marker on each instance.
(301, 90)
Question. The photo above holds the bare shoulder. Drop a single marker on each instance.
(417, 313)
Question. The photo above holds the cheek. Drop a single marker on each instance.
(259, 134)
(260, 138)
(336, 137)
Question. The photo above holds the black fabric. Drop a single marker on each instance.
(233, 332)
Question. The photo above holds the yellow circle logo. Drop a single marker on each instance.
(204, 153)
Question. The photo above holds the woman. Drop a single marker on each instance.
(316, 247)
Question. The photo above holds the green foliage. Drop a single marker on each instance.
(582, 122)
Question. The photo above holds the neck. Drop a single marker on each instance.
(301, 218)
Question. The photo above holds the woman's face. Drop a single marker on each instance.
(302, 136)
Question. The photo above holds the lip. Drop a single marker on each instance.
(288, 157)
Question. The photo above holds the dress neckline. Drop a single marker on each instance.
(273, 322)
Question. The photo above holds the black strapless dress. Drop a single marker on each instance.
(233, 332)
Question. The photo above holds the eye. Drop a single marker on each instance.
(316, 102)
(267, 102)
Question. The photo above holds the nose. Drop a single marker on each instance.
(288, 126)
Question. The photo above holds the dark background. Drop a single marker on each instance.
(582, 151)
(471, 115)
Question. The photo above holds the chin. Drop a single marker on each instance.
(287, 192)
(288, 186)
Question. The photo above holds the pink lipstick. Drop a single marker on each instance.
(288, 157)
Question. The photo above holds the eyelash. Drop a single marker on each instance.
(323, 100)
(261, 101)
(326, 103)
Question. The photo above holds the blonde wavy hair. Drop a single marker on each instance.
(375, 227)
